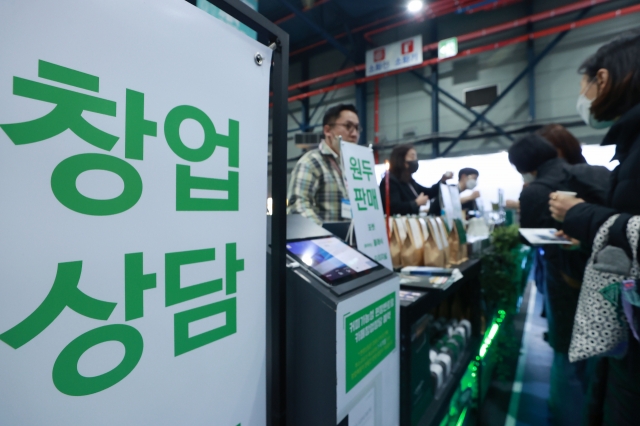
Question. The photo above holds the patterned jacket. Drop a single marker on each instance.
(316, 188)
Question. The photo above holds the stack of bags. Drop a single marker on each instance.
(427, 241)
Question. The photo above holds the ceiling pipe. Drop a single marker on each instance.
(293, 15)
(341, 35)
(469, 36)
(433, 11)
(474, 51)
(522, 22)
(491, 6)
(438, 10)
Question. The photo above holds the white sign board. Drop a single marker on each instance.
(133, 146)
(368, 357)
(457, 203)
(446, 204)
(367, 211)
(394, 56)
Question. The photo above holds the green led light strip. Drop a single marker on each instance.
(462, 416)
(491, 334)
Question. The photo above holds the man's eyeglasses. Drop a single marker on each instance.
(350, 126)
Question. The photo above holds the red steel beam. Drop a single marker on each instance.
(476, 50)
(467, 37)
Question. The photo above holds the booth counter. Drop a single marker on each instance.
(424, 399)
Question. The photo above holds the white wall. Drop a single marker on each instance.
(495, 171)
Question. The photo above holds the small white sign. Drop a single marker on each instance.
(394, 56)
(368, 356)
(366, 205)
(448, 48)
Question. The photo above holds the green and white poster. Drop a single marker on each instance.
(368, 357)
(133, 140)
(367, 211)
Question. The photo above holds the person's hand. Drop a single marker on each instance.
(475, 195)
(512, 204)
(445, 177)
(422, 199)
(574, 243)
(560, 204)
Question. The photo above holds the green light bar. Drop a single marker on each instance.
(462, 416)
(494, 330)
(492, 333)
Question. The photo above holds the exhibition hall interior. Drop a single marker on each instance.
(320, 212)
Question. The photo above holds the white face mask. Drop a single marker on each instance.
(584, 110)
(471, 183)
(528, 177)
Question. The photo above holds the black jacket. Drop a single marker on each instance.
(565, 269)
(402, 198)
(583, 221)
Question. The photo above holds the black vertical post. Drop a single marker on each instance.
(276, 297)
(361, 106)
(435, 148)
(435, 101)
(531, 78)
(305, 121)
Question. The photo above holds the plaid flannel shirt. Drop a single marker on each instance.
(316, 188)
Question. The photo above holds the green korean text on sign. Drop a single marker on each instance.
(370, 337)
(447, 48)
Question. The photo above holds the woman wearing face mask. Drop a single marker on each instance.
(610, 97)
(405, 194)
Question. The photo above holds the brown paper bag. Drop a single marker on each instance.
(433, 247)
(415, 234)
(454, 246)
(395, 244)
(462, 234)
(444, 235)
(410, 252)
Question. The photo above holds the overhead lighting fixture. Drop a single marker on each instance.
(415, 6)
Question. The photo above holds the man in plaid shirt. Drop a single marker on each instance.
(317, 189)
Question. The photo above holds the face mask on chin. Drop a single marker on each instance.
(584, 110)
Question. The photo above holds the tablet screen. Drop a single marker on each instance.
(331, 259)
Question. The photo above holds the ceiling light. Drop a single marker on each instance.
(415, 6)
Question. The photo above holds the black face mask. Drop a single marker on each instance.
(413, 166)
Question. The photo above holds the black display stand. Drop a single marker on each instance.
(312, 377)
(273, 36)
(411, 314)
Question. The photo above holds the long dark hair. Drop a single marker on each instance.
(397, 165)
(567, 145)
(621, 57)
